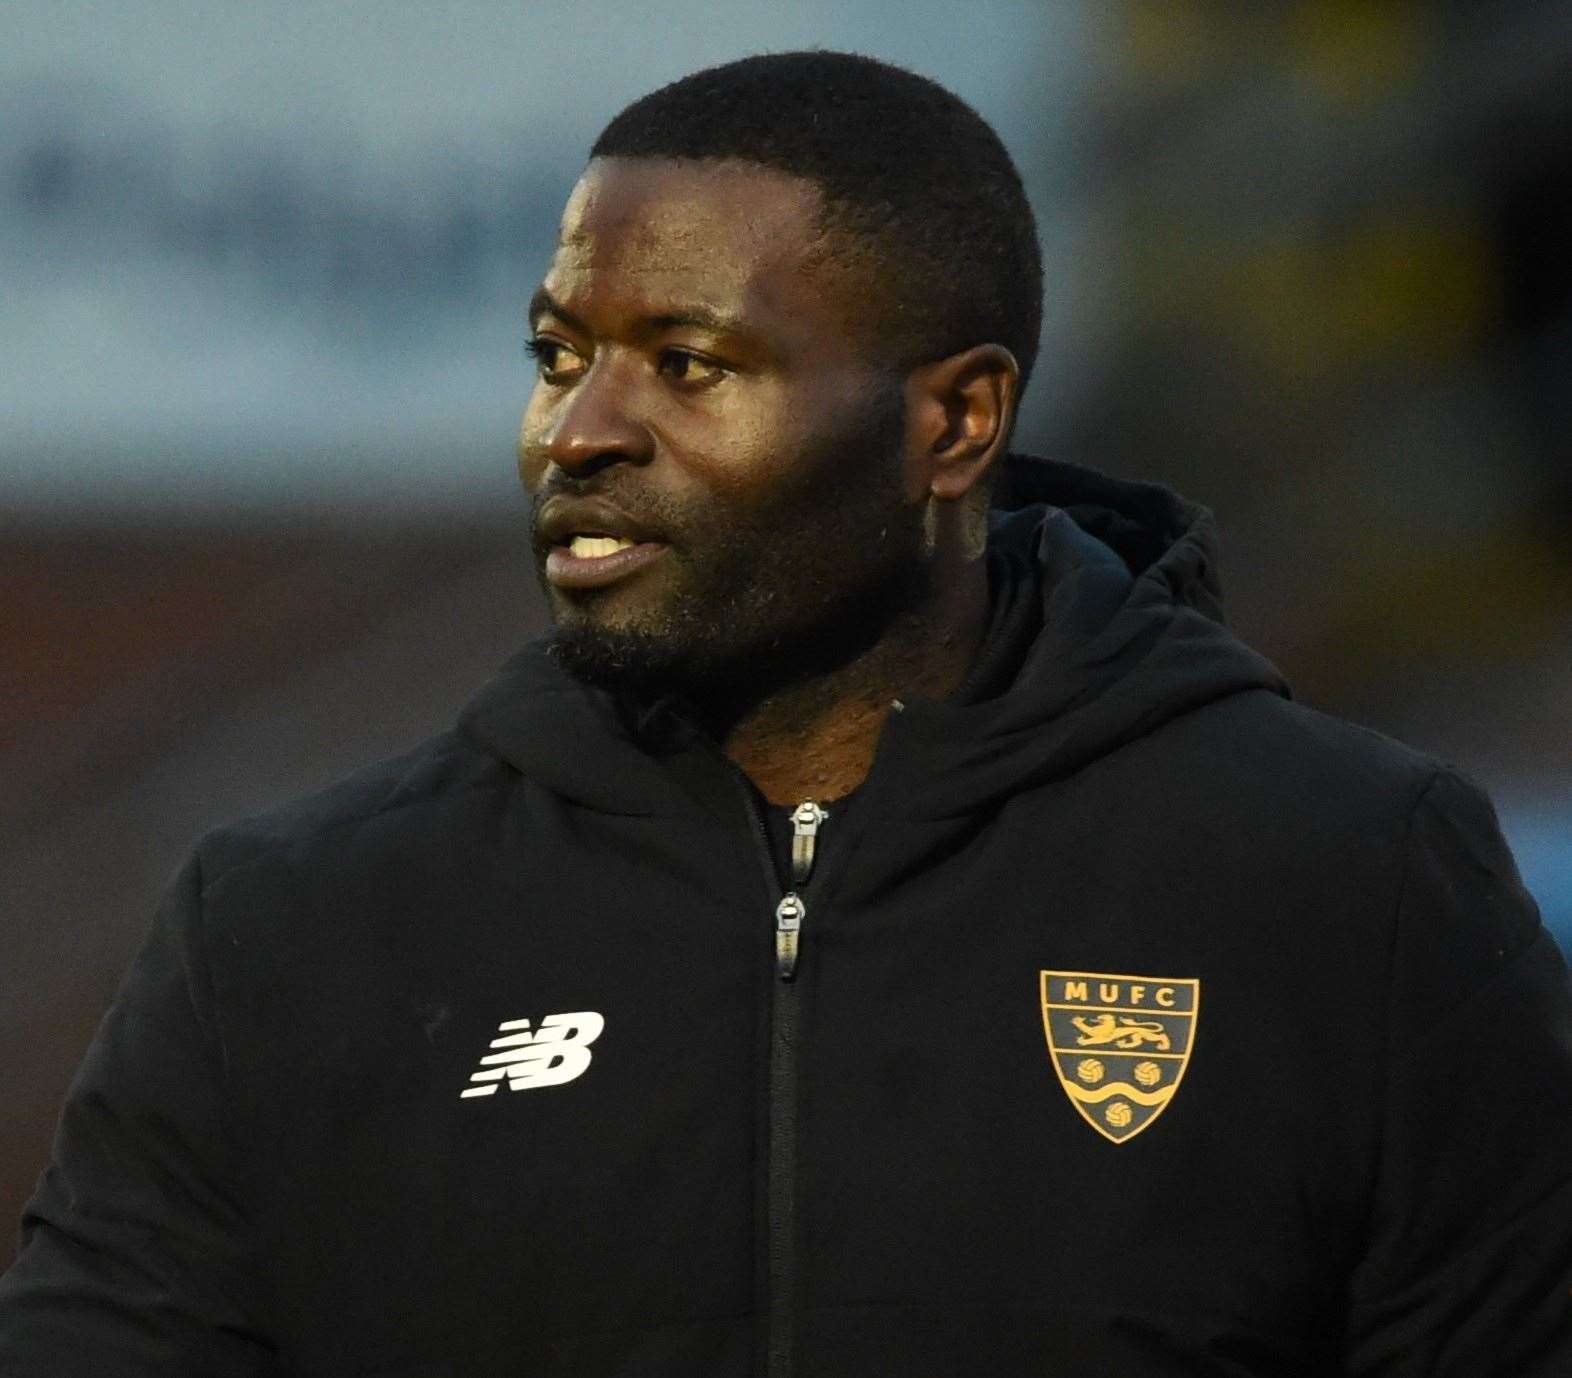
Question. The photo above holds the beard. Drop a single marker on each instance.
(763, 598)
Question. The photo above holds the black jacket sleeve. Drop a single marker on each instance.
(134, 1256)
(1468, 1267)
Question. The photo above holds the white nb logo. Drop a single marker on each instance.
(556, 1052)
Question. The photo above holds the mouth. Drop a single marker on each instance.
(592, 559)
(591, 543)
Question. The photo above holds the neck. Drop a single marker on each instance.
(816, 740)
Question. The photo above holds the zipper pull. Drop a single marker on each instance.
(805, 821)
(788, 922)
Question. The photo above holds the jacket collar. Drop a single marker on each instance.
(1131, 635)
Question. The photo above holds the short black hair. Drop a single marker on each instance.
(904, 166)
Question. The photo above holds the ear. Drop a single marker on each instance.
(959, 411)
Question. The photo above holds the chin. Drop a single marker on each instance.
(623, 659)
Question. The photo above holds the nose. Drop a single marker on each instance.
(593, 426)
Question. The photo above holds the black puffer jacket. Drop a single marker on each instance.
(1130, 1019)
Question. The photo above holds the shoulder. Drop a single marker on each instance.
(1302, 753)
(1304, 765)
(410, 792)
(1295, 811)
(1338, 806)
(1279, 775)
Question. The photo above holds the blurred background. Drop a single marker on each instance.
(262, 274)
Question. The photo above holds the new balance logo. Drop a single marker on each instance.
(556, 1052)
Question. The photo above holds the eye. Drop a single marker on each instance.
(547, 355)
(687, 367)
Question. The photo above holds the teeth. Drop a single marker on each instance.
(595, 547)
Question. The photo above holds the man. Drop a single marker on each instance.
(867, 937)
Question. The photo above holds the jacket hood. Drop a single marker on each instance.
(1126, 633)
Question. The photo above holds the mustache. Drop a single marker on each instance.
(642, 508)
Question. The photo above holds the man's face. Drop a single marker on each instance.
(714, 447)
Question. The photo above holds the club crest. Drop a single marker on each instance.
(1119, 1044)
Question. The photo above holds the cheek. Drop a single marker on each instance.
(533, 430)
(736, 447)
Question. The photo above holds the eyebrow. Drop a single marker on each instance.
(700, 317)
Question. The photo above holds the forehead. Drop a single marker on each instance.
(644, 235)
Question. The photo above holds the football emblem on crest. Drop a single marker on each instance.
(1119, 1044)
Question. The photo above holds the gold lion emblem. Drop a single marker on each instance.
(1120, 1031)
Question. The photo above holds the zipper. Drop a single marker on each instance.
(806, 820)
(781, 1169)
(789, 914)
